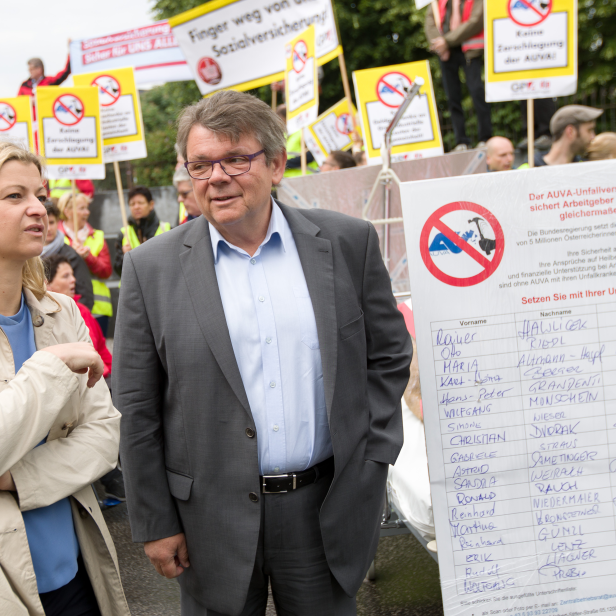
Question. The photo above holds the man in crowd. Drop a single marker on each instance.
(259, 364)
(458, 42)
(143, 225)
(38, 78)
(572, 128)
(338, 160)
(186, 196)
(500, 154)
(55, 244)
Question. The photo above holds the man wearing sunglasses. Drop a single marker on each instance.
(260, 362)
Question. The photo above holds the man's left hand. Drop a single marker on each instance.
(439, 46)
(7, 483)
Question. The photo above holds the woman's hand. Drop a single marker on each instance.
(81, 250)
(126, 248)
(7, 483)
(81, 358)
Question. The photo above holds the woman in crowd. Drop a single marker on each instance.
(90, 245)
(59, 431)
(602, 147)
(61, 279)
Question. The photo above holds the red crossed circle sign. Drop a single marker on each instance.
(528, 13)
(300, 56)
(344, 124)
(390, 89)
(68, 109)
(489, 266)
(8, 116)
(109, 88)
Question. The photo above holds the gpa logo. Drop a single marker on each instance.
(530, 86)
(69, 170)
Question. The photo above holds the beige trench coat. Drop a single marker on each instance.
(83, 430)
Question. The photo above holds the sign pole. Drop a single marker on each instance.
(274, 97)
(437, 15)
(303, 153)
(530, 117)
(74, 199)
(118, 177)
(346, 87)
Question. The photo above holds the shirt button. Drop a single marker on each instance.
(253, 261)
(276, 469)
(272, 384)
(268, 340)
(253, 497)
(261, 298)
(250, 432)
(276, 428)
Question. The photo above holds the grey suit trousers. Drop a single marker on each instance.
(290, 556)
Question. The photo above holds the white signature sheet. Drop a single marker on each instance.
(513, 279)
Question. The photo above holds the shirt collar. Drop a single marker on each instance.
(277, 226)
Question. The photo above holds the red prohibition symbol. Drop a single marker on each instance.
(475, 213)
(390, 89)
(8, 116)
(529, 13)
(68, 109)
(110, 90)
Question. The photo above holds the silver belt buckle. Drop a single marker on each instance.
(264, 489)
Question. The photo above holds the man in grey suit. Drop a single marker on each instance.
(259, 365)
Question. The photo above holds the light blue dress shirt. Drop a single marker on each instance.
(274, 336)
(51, 535)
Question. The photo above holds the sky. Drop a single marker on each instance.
(41, 28)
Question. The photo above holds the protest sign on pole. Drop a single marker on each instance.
(121, 120)
(240, 44)
(301, 82)
(16, 121)
(152, 50)
(379, 92)
(70, 132)
(331, 131)
(514, 301)
(530, 49)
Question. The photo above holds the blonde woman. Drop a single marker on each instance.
(59, 431)
(602, 147)
(90, 245)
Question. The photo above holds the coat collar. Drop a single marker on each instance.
(316, 257)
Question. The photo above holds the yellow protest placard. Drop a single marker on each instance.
(16, 120)
(379, 92)
(530, 49)
(301, 81)
(331, 131)
(121, 120)
(70, 132)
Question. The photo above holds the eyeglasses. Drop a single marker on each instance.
(232, 165)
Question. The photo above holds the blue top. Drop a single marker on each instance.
(51, 534)
(274, 336)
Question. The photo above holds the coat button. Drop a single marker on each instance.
(253, 497)
(250, 432)
(38, 321)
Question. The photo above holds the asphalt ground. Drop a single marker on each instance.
(407, 582)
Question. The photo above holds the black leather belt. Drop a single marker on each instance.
(278, 484)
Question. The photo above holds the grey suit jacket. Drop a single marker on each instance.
(188, 463)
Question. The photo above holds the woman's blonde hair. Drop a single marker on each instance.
(602, 147)
(33, 272)
(65, 204)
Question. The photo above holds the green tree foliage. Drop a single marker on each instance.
(379, 33)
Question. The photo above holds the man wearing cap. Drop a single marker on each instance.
(572, 128)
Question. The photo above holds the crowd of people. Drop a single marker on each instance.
(245, 321)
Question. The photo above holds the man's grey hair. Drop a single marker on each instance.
(233, 114)
(36, 62)
(180, 175)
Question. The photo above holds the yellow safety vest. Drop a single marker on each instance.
(102, 295)
(58, 188)
(133, 240)
(294, 149)
(182, 213)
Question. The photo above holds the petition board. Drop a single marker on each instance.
(514, 298)
(16, 120)
(240, 44)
